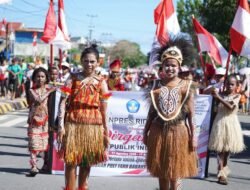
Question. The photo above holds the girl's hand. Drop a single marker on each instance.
(52, 89)
(215, 93)
(193, 144)
(105, 139)
(60, 135)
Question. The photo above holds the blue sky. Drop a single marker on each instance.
(114, 19)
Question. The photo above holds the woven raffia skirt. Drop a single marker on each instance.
(169, 155)
(226, 134)
(83, 144)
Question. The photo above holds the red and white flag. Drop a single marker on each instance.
(208, 43)
(62, 22)
(34, 43)
(167, 23)
(240, 30)
(52, 33)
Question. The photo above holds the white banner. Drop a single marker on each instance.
(127, 113)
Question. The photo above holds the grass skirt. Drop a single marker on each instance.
(83, 144)
(226, 134)
(169, 155)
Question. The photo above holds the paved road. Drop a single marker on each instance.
(14, 159)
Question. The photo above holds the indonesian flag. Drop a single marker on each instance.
(208, 43)
(52, 33)
(166, 20)
(62, 22)
(34, 43)
(167, 24)
(240, 29)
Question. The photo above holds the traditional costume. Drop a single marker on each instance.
(226, 134)
(83, 143)
(115, 83)
(38, 123)
(168, 136)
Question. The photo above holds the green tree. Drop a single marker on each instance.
(128, 52)
(185, 10)
(217, 17)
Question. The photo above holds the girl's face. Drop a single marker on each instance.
(89, 63)
(53, 75)
(40, 78)
(170, 68)
(231, 85)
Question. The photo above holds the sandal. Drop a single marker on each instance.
(33, 172)
(222, 180)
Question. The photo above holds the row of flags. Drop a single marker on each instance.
(167, 24)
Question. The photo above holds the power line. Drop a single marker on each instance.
(31, 4)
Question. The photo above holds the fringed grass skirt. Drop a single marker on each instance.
(83, 144)
(226, 134)
(169, 154)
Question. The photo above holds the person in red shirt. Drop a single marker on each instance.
(115, 81)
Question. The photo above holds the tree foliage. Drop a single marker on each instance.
(215, 15)
(185, 9)
(128, 52)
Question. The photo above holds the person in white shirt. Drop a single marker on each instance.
(65, 71)
(3, 78)
(219, 78)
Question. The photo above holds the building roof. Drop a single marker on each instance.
(12, 26)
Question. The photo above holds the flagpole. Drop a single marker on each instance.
(60, 50)
(200, 54)
(227, 66)
(51, 56)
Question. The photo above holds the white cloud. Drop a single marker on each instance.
(5, 1)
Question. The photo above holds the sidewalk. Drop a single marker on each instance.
(7, 105)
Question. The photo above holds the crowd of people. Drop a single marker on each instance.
(73, 103)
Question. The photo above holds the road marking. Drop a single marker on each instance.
(14, 122)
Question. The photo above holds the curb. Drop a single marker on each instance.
(8, 105)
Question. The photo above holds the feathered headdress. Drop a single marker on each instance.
(179, 47)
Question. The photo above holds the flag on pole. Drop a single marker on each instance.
(209, 43)
(52, 33)
(62, 22)
(50, 25)
(240, 29)
(34, 43)
(166, 20)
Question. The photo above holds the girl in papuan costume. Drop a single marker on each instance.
(84, 133)
(169, 133)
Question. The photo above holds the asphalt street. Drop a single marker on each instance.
(14, 164)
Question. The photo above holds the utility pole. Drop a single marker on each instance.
(91, 27)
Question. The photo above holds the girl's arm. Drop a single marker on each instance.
(40, 99)
(191, 121)
(230, 105)
(105, 94)
(150, 117)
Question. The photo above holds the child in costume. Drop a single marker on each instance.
(115, 81)
(170, 141)
(226, 136)
(38, 117)
(84, 136)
